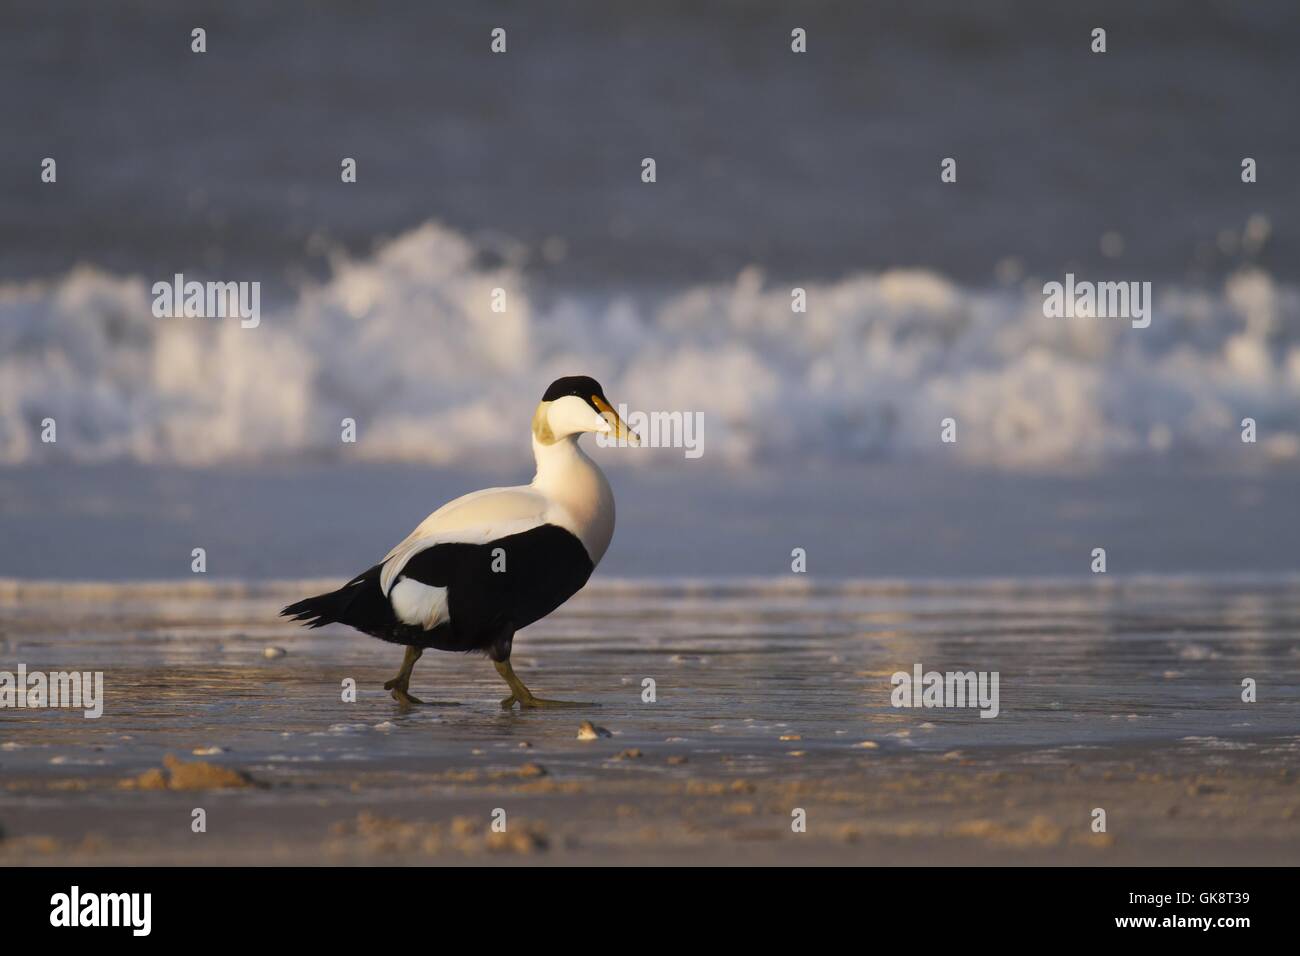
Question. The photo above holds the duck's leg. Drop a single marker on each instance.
(401, 684)
(522, 696)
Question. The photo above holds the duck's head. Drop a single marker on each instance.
(576, 404)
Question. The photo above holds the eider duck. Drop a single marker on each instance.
(492, 562)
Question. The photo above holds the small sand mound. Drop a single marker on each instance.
(373, 835)
(198, 775)
(1039, 832)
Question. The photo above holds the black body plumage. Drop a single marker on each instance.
(493, 590)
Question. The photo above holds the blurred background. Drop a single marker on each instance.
(774, 170)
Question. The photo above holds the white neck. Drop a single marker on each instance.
(573, 482)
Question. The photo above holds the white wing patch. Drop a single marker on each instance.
(420, 604)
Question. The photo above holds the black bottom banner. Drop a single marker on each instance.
(303, 905)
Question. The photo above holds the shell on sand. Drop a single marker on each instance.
(589, 731)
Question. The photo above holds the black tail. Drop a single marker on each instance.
(360, 603)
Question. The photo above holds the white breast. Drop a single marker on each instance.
(578, 494)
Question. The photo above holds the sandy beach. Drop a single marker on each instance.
(771, 697)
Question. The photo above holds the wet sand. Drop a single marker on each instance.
(771, 697)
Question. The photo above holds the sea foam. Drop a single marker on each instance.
(404, 342)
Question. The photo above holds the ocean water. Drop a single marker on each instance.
(125, 522)
(776, 170)
(811, 166)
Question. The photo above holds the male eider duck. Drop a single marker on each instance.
(487, 564)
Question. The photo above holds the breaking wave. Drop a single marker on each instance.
(404, 342)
